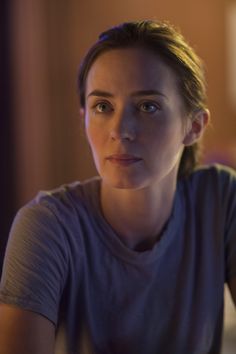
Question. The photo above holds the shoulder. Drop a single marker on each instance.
(210, 187)
(57, 216)
(213, 177)
(215, 171)
(45, 244)
(69, 195)
(64, 202)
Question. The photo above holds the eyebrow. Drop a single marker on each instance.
(100, 93)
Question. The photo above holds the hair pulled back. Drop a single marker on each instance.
(169, 44)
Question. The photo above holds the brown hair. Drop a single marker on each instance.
(163, 39)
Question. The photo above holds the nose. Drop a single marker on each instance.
(123, 126)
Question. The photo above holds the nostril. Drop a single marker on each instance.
(122, 135)
(123, 125)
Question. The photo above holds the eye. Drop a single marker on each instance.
(148, 107)
(102, 107)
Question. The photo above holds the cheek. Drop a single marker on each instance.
(91, 137)
(168, 137)
(94, 138)
(89, 130)
(159, 132)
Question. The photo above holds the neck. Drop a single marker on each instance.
(138, 215)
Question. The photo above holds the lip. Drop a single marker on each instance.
(123, 159)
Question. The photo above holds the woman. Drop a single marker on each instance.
(135, 260)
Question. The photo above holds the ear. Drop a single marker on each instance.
(82, 117)
(82, 113)
(196, 127)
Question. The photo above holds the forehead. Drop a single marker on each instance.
(131, 68)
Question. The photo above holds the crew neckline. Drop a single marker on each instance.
(109, 237)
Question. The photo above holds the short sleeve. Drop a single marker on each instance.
(35, 264)
(229, 198)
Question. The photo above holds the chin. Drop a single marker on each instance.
(125, 183)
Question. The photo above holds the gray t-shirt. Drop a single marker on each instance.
(65, 262)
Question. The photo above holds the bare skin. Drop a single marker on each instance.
(137, 217)
(25, 332)
(137, 129)
(232, 288)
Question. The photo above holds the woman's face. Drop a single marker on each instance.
(134, 118)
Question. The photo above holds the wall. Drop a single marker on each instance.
(50, 38)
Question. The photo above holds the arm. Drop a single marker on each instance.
(25, 332)
(232, 288)
(33, 275)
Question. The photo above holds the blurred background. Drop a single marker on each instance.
(42, 144)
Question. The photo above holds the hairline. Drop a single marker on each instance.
(137, 45)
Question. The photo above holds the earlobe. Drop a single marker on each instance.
(197, 127)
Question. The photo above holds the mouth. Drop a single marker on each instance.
(123, 159)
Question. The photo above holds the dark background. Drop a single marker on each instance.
(7, 181)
